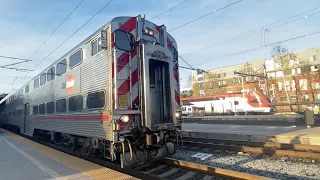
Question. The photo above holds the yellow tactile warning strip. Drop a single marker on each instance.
(88, 168)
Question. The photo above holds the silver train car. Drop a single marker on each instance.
(115, 95)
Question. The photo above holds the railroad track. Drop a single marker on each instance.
(163, 169)
(270, 148)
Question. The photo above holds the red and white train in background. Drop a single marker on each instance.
(114, 95)
(226, 104)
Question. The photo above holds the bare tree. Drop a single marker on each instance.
(189, 81)
(282, 58)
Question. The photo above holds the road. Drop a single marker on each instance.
(239, 129)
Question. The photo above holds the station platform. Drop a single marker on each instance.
(21, 158)
(285, 134)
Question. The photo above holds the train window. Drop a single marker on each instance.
(76, 103)
(124, 40)
(99, 45)
(96, 100)
(26, 89)
(42, 109)
(255, 100)
(75, 59)
(61, 67)
(35, 110)
(50, 107)
(50, 74)
(36, 83)
(236, 102)
(61, 106)
(152, 76)
(42, 79)
(96, 46)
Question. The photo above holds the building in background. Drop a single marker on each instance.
(292, 83)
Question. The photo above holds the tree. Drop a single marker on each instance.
(211, 84)
(189, 81)
(282, 58)
(195, 87)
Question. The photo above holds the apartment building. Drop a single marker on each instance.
(296, 81)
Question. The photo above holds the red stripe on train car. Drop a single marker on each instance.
(134, 77)
(123, 60)
(124, 87)
(177, 96)
(129, 25)
(100, 117)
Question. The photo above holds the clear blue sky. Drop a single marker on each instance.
(24, 25)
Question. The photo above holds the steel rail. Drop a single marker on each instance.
(282, 146)
(211, 170)
(255, 150)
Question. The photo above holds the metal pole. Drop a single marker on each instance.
(245, 112)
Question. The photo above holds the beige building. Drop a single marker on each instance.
(294, 81)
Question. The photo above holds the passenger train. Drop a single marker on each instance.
(226, 104)
(115, 95)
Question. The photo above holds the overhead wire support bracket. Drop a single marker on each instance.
(245, 75)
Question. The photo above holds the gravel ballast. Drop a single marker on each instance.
(262, 165)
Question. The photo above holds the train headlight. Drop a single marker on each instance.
(178, 115)
(124, 118)
(149, 32)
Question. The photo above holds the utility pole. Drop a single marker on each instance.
(266, 79)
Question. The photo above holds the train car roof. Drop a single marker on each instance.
(70, 51)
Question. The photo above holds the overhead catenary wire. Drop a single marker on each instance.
(212, 12)
(74, 33)
(169, 9)
(16, 58)
(254, 31)
(55, 30)
(256, 48)
(17, 69)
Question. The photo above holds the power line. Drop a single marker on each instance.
(74, 33)
(224, 7)
(17, 69)
(256, 48)
(254, 31)
(169, 9)
(57, 28)
(185, 61)
(10, 57)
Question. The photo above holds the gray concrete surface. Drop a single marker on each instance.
(20, 162)
(238, 129)
(288, 135)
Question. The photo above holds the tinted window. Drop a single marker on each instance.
(26, 89)
(42, 109)
(42, 79)
(94, 46)
(50, 74)
(61, 105)
(122, 40)
(96, 100)
(35, 110)
(75, 103)
(75, 58)
(36, 83)
(61, 67)
(50, 107)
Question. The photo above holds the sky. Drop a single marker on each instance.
(25, 25)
